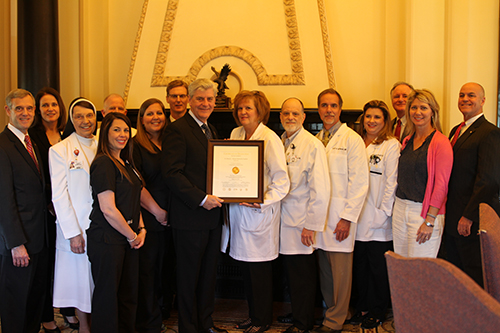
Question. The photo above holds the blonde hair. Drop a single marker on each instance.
(427, 97)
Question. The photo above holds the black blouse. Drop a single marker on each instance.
(149, 166)
(412, 171)
(105, 175)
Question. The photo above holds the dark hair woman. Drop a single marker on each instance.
(151, 122)
(116, 229)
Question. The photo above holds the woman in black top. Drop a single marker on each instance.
(116, 230)
(151, 122)
(50, 120)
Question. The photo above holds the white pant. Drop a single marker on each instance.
(406, 220)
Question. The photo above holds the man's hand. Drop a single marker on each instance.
(162, 217)
(464, 226)
(212, 202)
(307, 237)
(20, 257)
(342, 230)
(77, 244)
(250, 205)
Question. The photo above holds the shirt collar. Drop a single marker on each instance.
(334, 128)
(20, 135)
(472, 120)
(288, 140)
(199, 122)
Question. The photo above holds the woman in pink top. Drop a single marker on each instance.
(423, 173)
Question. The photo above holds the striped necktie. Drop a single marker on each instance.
(29, 147)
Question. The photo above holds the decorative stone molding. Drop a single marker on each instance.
(263, 78)
(134, 52)
(326, 43)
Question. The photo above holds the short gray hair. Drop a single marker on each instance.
(401, 83)
(201, 84)
(17, 93)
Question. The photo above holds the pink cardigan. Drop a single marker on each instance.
(439, 164)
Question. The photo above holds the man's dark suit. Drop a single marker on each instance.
(22, 221)
(472, 181)
(405, 130)
(197, 231)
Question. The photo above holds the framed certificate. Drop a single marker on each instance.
(235, 170)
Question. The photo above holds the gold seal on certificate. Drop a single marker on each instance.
(235, 170)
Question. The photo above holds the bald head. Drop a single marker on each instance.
(471, 100)
(292, 115)
(113, 103)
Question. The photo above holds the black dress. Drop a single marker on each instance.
(114, 263)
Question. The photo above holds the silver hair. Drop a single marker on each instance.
(201, 84)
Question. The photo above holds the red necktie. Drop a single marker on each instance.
(397, 131)
(457, 134)
(29, 147)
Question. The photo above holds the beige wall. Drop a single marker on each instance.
(434, 44)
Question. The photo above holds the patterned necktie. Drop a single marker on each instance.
(207, 132)
(457, 134)
(29, 147)
(397, 131)
(326, 137)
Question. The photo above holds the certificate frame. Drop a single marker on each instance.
(244, 154)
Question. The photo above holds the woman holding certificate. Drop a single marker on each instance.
(254, 228)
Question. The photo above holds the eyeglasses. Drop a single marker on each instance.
(178, 96)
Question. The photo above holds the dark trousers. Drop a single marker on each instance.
(302, 274)
(150, 266)
(22, 291)
(197, 253)
(258, 280)
(168, 276)
(115, 270)
(465, 253)
(370, 277)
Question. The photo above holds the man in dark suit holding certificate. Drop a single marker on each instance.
(195, 216)
(23, 248)
(475, 144)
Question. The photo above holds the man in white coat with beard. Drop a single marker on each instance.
(303, 211)
(349, 177)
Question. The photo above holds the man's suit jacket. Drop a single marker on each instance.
(184, 160)
(22, 197)
(473, 177)
(405, 130)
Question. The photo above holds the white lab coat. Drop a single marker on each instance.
(306, 204)
(72, 199)
(375, 222)
(349, 185)
(255, 232)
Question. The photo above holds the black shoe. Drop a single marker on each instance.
(357, 318)
(73, 326)
(49, 330)
(325, 329)
(295, 329)
(215, 329)
(257, 329)
(370, 322)
(286, 319)
(244, 324)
